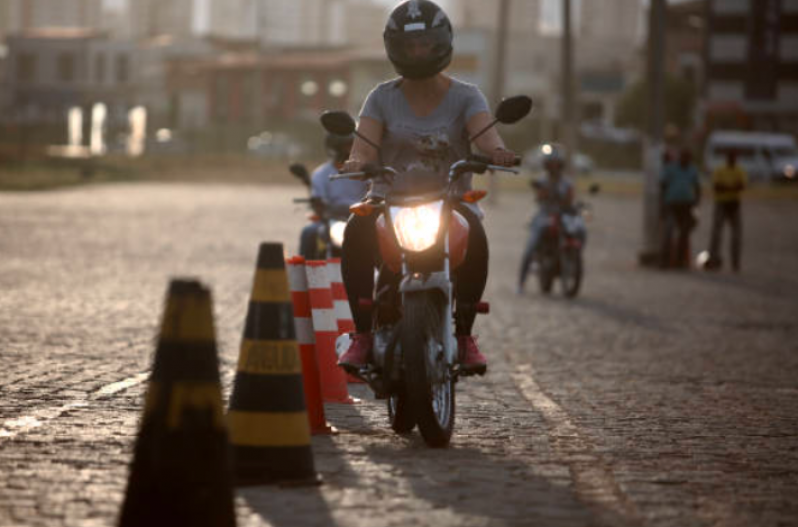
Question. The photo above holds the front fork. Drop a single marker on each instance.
(441, 281)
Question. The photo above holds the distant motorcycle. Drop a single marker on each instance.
(559, 253)
(329, 234)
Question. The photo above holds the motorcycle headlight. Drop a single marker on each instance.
(417, 227)
(337, 229)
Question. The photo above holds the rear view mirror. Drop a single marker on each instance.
(338, 122)
(300, 172)
(510, 111)
(513, 109)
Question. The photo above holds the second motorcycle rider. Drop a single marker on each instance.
(421, 121)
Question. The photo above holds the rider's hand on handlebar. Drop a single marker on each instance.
(503, 157)
(352, 165)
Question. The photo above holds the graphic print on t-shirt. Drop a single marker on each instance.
(433, 149)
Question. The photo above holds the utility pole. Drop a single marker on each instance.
(568, 125)
(652, 153)
(499, 73)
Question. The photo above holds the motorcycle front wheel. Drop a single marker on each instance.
(571, 272)
(428, 379)
(399, 412)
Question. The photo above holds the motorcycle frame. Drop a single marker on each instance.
(414, 281)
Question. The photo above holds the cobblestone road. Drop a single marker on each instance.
(653, 399)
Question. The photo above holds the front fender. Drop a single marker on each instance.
(426, 282)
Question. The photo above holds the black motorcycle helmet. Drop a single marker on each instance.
(338, 146)
(418, 39)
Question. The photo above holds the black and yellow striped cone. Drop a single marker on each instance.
(180, 473)
(268, 421)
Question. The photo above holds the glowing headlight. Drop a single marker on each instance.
(337, 229)
(417, 227)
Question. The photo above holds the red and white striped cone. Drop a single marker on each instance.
(325, 328)
(343, 314)
(303, 323)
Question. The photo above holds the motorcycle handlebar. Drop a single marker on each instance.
(368, 172)
(479, 158)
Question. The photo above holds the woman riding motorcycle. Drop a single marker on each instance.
(421, 121)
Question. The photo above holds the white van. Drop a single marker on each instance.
(765, 156)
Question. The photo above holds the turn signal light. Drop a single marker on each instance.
(472, 196)
(361, 209)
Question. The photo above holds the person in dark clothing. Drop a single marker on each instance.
(681, 192)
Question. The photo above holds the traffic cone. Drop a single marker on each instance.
(303, 323)
(180, 473)
(343, 314)
(333, 378)
(269, 427)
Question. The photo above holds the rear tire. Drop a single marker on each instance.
(571, 272)
(432, 403)
(546, 275)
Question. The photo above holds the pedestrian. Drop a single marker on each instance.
(728, 182)
(681, 192)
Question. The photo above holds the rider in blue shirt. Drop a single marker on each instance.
(681, 191)
(331, 198)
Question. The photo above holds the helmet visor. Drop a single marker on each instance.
(418, 46)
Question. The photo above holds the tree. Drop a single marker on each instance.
(679, 104)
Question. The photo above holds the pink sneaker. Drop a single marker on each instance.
(471, 360)
(357, 356)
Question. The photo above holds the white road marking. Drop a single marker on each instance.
(592, 476)
(13, 427)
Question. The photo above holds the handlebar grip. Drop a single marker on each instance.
(479, 158)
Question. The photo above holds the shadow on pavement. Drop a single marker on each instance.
(287, 506)
(471, 483)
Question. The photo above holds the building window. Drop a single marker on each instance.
(26, 67)
(99, 69)
(248, 96)
(65, 66)
(221, 97)
(122, 69)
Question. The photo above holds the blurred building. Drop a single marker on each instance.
(19, 15)
(9, 18)
(685, 41)
(116, 22)
(358, 23)
(152, 18)
(751, 65)
(481, 14)
(51, 70)
(233, 19)
(309, 23)
(610, 21)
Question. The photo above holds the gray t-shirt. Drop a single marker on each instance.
(422, 149)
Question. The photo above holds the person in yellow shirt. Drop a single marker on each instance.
(728, 182)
